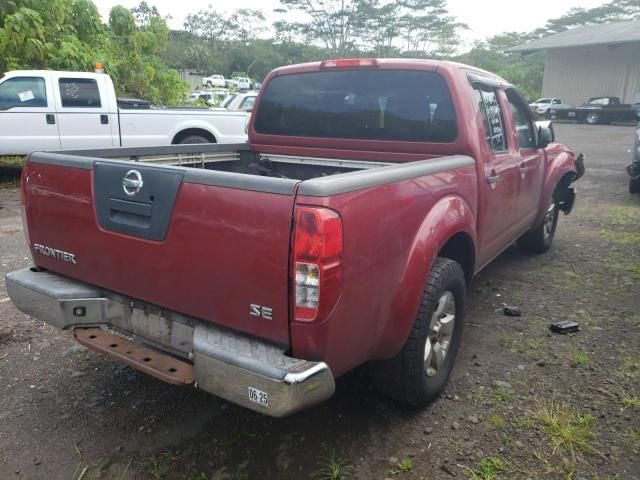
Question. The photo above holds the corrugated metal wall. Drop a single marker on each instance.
(576, 73)
(194, 78)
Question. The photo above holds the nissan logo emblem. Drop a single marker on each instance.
(132, 182)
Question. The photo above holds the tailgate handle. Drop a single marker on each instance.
(134, 214)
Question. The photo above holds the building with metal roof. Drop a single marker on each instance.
(590, 61)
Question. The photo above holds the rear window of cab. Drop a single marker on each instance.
(365, 104)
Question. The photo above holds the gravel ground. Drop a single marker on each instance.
(522, 403)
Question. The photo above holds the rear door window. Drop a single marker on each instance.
(403, 105)
(79, 92)
(492, 118)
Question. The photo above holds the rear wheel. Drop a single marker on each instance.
(419, 372)
(540, 238)
(592, 118)
(634, 185)
(194, 139)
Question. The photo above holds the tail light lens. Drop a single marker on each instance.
(317, 260)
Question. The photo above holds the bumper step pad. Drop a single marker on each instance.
(162, 366)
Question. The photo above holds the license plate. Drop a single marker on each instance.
(259, 397)
(571, 114)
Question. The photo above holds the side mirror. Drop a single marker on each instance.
(545, 136)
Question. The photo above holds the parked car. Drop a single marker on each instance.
(598, 110)
(213, 81)
(50, 110)
(241, 83)
(206, 96)
(634, 168)
(242, 102)
(346, 232)
(542, 105)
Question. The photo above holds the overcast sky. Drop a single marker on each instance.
(484, 18)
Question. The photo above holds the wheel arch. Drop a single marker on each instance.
(461, 249)
(198, 131)
(561, 172)
(448, 230)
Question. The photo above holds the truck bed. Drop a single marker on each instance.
(232, 158)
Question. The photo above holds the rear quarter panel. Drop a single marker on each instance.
(392, 234)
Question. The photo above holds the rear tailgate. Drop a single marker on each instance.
(204, 243)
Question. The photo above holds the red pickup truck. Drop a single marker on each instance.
(344, 233)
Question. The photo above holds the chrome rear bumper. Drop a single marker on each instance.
(242, 369)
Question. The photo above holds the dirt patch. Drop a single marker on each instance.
(523, 403)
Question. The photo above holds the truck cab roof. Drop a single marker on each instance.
(52, 73)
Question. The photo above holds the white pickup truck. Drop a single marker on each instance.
(51, 110)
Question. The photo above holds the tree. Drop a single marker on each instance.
(616, 11)
(144, 12)
(210, 25)
(49, 33)
(331, 22)
(414, 27)
(70, 35)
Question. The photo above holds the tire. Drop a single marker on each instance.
(194, 139)
(408, 377)
(634, 185)
(539, 239)
(592, 118)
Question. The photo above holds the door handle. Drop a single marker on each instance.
(104, 119)
(523, 168)
(51, 119)
(493, 179)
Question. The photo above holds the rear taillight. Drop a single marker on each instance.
(317, 262)
(23, 203)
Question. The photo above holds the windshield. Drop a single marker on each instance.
(404, 105)
(598, 101)
(225, 103)
(543, 100)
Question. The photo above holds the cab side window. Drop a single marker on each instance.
(492, 118)
(23, 92)
(522, 120)
(79, 92)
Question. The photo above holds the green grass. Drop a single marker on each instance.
(580, 359)
(488, 469)
(332, 468)
(497, 420)
(565, 428)
(158, 466)
(632, 438)
(630, 369)
(624, 216)
(631, 402)
(403, 466)
(11, 161)
(502, 394)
